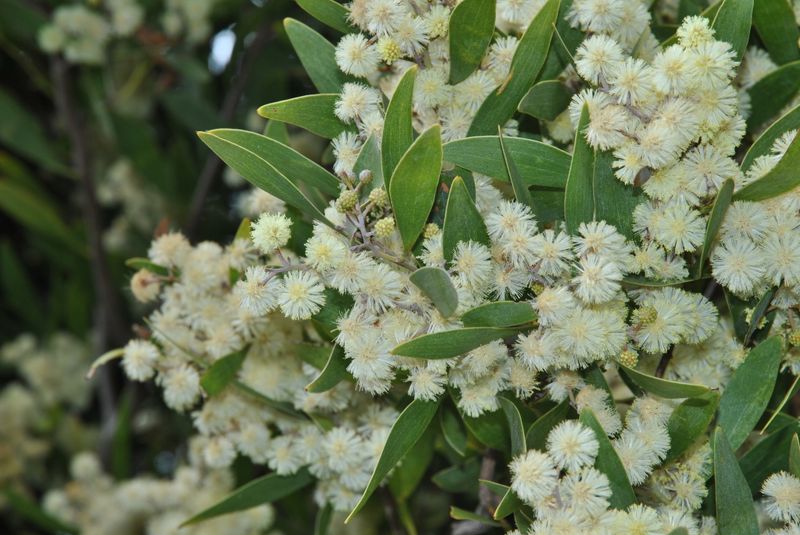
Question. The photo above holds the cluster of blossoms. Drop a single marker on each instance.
(781, 503)
(97, 505)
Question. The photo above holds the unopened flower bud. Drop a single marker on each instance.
(431, 230)
(365, 176)
(629, 358)
(145, 285)
(378, 197)
(645, 315)
(347, 201)
(384, 227)
(794, 337)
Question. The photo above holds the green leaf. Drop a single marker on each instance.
(664, 387)
(334, 372)
(780, 179)
(311, 112)
(462, 221)
(794, 456)
(734, 503)
(277, 130)
(643, 282)
(771, 93)
(190, 109)
(317, 55)
(769, 455)
(37, 214)
(452, 431)
(490, 429)
(145, 263)
(795, 386)
(520, 188)
(18, 289)
(732, 24)
(448, 344)
(509, 504)
(413, 184)
(789, 121)
(515, 426)
(749, 390)
(328, 12)
(614, 202)
(406, 431)
(32, 512)
(776, 26)
(528, 60)
(406, 478)
(715, 218)
(546, 100)
(499, 314)
(758, 313)
(536, 437)
(222, 372)
(313, 354)
(435, 283)
(459, 479)
(263, 490)
(539, 164)
(322, 522)
(457, 513)
(689, 421)
(398, 132)
(579, 190)
(470, 32)
(679, 531)
(369, 158)
(608, 462)
(245, 160)
(336, 305)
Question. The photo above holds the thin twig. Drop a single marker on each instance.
(213, 163)
(663, 363)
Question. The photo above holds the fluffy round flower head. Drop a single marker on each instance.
(782, 497)
(533, 476)
(608, 127)
(598, 280)
(270, 232)
(430, 87)
(553, 305)
(596, 15)
(170, 249)
(510, 217)
(782, 258)
(301, 295)
(638, 520)
(346, 147)
(586, 490)
(426, 383)
(597, 57)
(631, 81)
(138, 360)
(553, 251)
(537, 351)
(181, 387)
(738, 265)
(257, 293)
(694, 31)
(356, 56)
(437, 21)
(628, 162)
(383, 16)
(680, 228)
(470, 94)
(572, 445)
(635, 456)
(671, 71)
(472, 262)
(356, 101)
(712, 64)
(601, 405)
(600, 238)
(745, 219)
(411, 34)
(145, 285)
(709, 167)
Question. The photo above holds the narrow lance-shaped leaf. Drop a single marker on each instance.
(608, 462)
(398, 132)
(311, 112)
(780, 179)
(322, 522)
(721, 203)
(448, 344)
(222, 372)
(689, 421)
(579, 190)
(732, 24)
(263, 490)
(736, 514)
(776, 412)
(757, 315)
(499, 314)
(536, 437)
(515, 426)
(317, 55)
(509, 504)
(329, 12)
(405, 432)
(334, 372)
(664, 387)
(435, 283)
(794, 456)
(789, 121)
(462, 221)
(457, 513)
(518, 185)
(771, 93)
(413, 184)
(470, 32)
(452, 431)
(775, 23)
(749, 390)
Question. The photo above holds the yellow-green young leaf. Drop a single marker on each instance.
(509, 504)
(536, 437)
(538, 163)
(546, 100)
(243, 231)
(398, 133)
(608, 462)
(145, 263)
(462, 221)
(223, 372)
(293, 165)
(709, 13)
(406, 431)
(721, 203)
(664, 387)
(517, 184)
(328, 12)
(457, 513)
(579, 190)
(749, 390)
(775, 23)
(448, 344)
(789, 121)
(780, 179)
(243, 159)
(734, 502)
(515, 426)
(528, 60)
(316, 54)
(369, 159)
(470, 32)
(732, 24)
(435, 283)
(334, 372)
(499, 314)
(263, 490)
(771, 93)
(689, 421)
(794, 456)
(412, 187)
(311, 112)
(453, 433)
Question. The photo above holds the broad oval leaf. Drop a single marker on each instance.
(736, 514)
(470, 32)
(263, 490)
(749, 390)
(608, 462)
(328, 12)
(771, 93)
(528, 60)
(780, 179)
(789, 121)
(462, 221)
(664, 387)
(406, 478)
(398, 132)
(448, 344)
(721, 203)
(334, 372)
(689, 421)
(413, 184)
(222, 372)
(546, 100)
(311, 112)
(732, 24)
(499, 314)
(579, 190)
(536, 437)
(775, 23)
(317, 55)
(517, 184)
(490, 429)
(515, 426)
(406, 431)
(435, 283)
(539, 164)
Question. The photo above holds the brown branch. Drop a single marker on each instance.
(213, 163)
